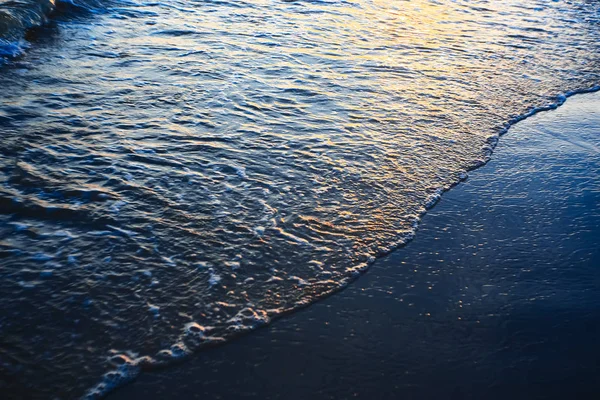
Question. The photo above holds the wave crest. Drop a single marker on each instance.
(19, 16)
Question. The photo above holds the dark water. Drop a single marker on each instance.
(175, 173)
(497, 297)
(19, 17)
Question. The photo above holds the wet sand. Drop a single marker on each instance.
(497, 296)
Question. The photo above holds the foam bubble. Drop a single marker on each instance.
(248, 318)
(194, 334)
(126, 370)
(433, 198)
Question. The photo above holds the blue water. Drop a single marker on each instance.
(497, 297)
(176, 173)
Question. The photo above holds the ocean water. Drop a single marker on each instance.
(496, 298)
(173, 174)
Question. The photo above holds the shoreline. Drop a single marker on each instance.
(106, 387)
(175, 178)
(120, 378)
(344, 295)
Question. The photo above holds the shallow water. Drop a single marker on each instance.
(176, 173)
(496, 298)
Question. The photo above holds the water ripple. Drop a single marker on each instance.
(176, 173)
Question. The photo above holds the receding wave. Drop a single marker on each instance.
(179, 172)
(195, 337)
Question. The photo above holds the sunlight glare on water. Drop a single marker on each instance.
(174, 173)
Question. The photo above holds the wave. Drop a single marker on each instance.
(19, 16)
(195, 337)
(179, 173)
